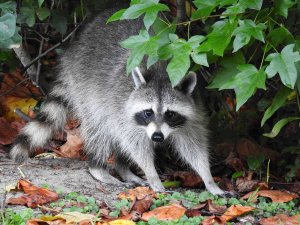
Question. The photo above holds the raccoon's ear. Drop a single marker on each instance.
(137, 77)
(188, 84)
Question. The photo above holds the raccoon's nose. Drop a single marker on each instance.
(157, 137)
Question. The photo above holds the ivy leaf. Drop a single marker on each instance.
(246, 30)
(252, 4)
(278, 35)
(234, 10)
(204, 8)
(228, 70)
(282, 6)
(284, 64)
(278, 101)
(8, 7)
(12, 42)
(245, 83)
(27, 15)
(200, 58)
(116, 16)
(219, 38)
(180, 62)
(150, 8)
(42, 13)
(40, 2)
(59, 21)
(279, 125)
(140, 46)
(7, 26)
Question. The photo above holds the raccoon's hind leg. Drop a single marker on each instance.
(122, 168)
(37, 133)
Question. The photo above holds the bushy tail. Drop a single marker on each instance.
(37, 133)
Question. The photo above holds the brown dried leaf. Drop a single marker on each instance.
(275, 195)
(35, 195)
(212, 220)
(234, 211)
(7, 133)
(195, 211)
(41, 222)
(73, 148)
(281, 219)
(188, 179)
(218, 209)
(137, 193)
(141, 206)
(170, 212)
(245, 185)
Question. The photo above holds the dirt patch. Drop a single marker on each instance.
(65, 175)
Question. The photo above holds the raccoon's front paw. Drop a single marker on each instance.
(228, 194)
(19, 154)
(157, 187)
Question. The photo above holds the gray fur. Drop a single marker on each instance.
(92, 81)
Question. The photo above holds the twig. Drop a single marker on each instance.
(21, 172)
(14, 87)
(22, 115)
(54, 46)
(3, 203)
(48, 209)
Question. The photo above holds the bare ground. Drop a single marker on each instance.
(62, 174)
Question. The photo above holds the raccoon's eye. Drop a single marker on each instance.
(148, 113)
(170, 114)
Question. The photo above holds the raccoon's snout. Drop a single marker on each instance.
(157, 137)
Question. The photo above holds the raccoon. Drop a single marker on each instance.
(128, 116)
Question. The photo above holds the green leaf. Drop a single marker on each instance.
(279, 125)
(252, 4)
(204, 8)
(282, 6)
(278, 35)
(7, 26)
(245, 83)
(149, 19)
(8, 7)
(116, 16)
(151, 60)
(200, 58)
(40, 2)
(163, 30)
(180, 62)
(140, 46)
(42, 13)
(278, 101)
(150, 8)
(195, 41)
(234, 10)
(59, 21)
(219, 38)
(284, 64)
(12, 42)
(27, 15)
(228, 69)
(246, 30)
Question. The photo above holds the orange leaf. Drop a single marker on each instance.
(170, 212)
(7, 133)
(35, 195)
(234, 211)
(188, 179)
(281, 219)
(275, 195)
(212, 220)
(137, 193)
(42, 222)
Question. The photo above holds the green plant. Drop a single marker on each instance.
(9, 217)
(250, 41)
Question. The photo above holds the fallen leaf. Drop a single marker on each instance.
(141, 206)
(195, 211)
(35, 195)
(188, 179)
(275, 195)
(169, 212)
(119, 222)
(7, 133)
(74, 217)
(42, 222)
(245, 185)
(10, 187)
(215, 209)
(137, 193)
(281, 219)
(73, 148)
(234, 211)
(212, 220)
(11, 103)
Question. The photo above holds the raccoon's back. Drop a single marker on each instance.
(93, 69)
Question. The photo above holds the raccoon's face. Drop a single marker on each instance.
(158, 108)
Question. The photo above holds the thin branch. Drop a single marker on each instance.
(14, 87)
(54, 46)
